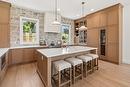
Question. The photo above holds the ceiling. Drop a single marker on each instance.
(68, 8)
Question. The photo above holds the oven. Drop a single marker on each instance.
(2, 61)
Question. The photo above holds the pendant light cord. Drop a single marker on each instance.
(83, 11)
(56, 10)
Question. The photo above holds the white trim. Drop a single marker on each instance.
(126, 61)
(21, 30)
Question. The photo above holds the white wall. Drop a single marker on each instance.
(126, 34)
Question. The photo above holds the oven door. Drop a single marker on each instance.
(0, 63)
(3, 61)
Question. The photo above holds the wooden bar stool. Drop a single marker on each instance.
(62, 73)
(94, 60)
(77, 68)
(87, 64)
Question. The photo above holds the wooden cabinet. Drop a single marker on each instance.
(102, 18)
(113, 15)
(93, 20)
(28, 55)
(112, 34)
(113, 52)
(110, 20)
(22, 55)
(42, 67)
(40, 64)
(93, 37)
(4, 24)
(16, 56)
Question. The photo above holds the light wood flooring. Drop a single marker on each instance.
(108, 75)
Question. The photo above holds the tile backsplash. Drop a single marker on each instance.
(17, 12)
(49, 37)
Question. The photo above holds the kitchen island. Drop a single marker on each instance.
(45, 58)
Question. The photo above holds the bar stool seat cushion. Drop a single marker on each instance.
(94, 56)
(61, 65)
(74, 61)
(85, 58)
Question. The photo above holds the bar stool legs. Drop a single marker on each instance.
(87, 64)
(77, 68)
(62, 73)
(77, 72)
(94, 61)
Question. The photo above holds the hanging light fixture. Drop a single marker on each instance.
(56, 22)
(83, 27)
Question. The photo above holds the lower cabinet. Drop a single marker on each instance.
(42, 67)
(4, 69)
(113, 52)
(16, 56)
(28, 55)
(23, 55)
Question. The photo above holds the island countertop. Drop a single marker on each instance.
(45, 57)
(54, 52)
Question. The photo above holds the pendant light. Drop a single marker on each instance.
(83, 27)
(56, 22)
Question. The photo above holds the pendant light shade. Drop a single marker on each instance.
(83, 27)
(56, 22)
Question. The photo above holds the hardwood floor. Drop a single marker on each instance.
(108, 75)
(22, 76)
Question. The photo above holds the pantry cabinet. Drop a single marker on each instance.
(4, 24)
(105, 32)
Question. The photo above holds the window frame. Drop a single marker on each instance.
(21, 31)
(69, 33)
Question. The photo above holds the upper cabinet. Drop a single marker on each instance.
(93, 20)
(112, 15)
(48, 26)
(4, 24)
(4, 10)
(102, 18)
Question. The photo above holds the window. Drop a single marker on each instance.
(29, 31)
(65, 33)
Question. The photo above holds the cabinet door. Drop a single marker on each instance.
(112, 15)
(28, 55)
(112, 34)
(39, 63)
(93, 37)
(113, 52)
(93, 21)
(103, 19)
(17, 56)
(5, 12)
(4, 35)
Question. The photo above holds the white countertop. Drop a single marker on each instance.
(28, 46)
(3, 51)
(52, 52)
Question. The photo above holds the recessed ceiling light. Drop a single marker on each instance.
(92, 10)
